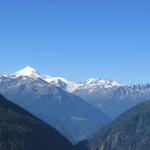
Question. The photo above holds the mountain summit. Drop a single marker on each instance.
(27, 71)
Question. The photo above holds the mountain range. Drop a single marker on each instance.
(66, 112)
(78, 111)
(19, 129)
(109, 96)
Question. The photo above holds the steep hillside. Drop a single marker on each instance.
(19, 130)
(131, 131)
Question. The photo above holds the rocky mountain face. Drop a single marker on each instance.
(109, 96)
(19, 130)
(69, 114)
(130, 131)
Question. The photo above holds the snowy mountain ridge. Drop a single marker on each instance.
(91, 84)
(107, 95)
(45, 97)
(32, 73)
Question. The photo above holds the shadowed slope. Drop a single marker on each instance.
(130, 131)
(19, 130)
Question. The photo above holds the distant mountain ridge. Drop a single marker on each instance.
(109, 96)
(69, 114)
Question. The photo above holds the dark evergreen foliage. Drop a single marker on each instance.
(19, 130)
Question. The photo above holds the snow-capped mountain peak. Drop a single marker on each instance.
(100, 82)
(27, 71)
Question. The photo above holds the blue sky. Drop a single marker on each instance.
(77, 39)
